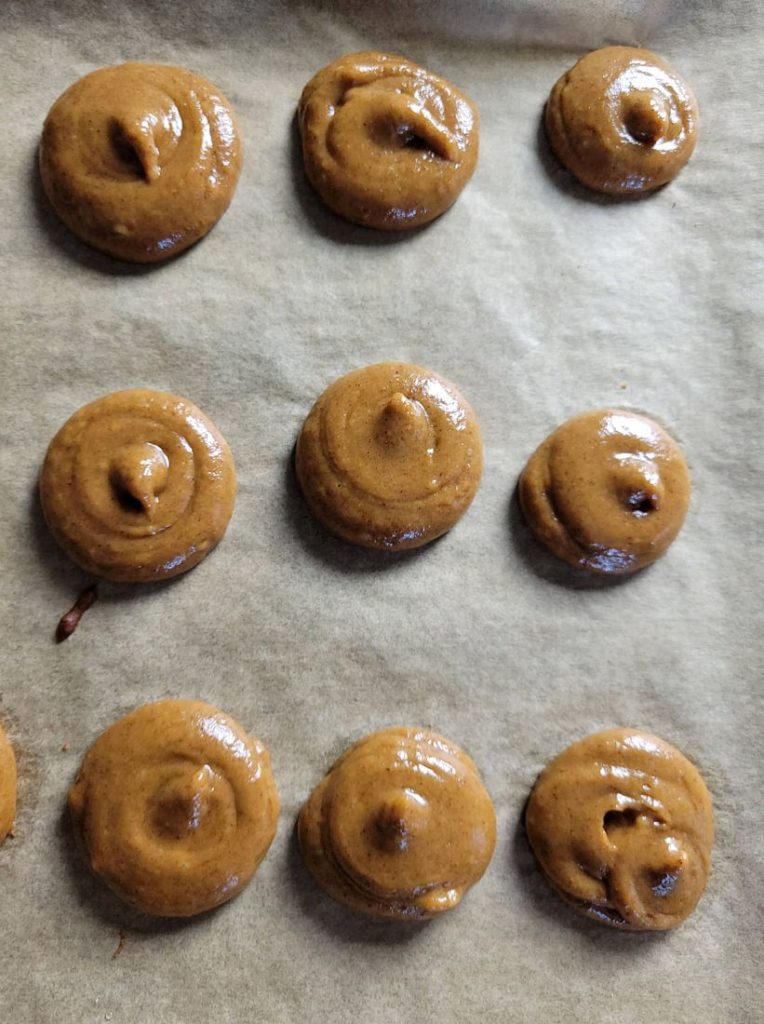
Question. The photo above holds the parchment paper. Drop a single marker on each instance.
(539, 300)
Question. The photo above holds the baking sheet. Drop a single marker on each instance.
(538, 300)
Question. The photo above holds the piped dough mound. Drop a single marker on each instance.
(400, 827)
(622, 121)
(140, 160)
(621, 824)
(386, 144)
(607, 491)
(138, 486)
(176, 806)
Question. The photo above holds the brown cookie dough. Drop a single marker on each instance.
(386, 143)
(400, 827)
(7, 785)
(622, 121)
(622, 825)
(607, 491)
(390, 456)
(176, 806)
(140, 160)
(138, 486)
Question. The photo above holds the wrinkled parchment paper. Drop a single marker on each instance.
(540, 301)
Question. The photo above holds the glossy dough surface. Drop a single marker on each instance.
(140, 160)
(400, 827)
(622, 825)
(608, 491)
(390, 456)
(138, 486)
(386, 143)
(8, 785)
(622, 121)
(176, 806)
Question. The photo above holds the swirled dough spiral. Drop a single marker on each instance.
(386, 143)
(622, 825)
(7, 785)
(390, 456)
(607, 491)
(400, 827)
(176, 806)
(140, 160)
(622, 121)
(138, 486)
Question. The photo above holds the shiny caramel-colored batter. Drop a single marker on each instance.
(390, 456)
(607, 491)
(386, 143)
(400, 827)
(8, 784)
(138, 486)
(622, 825)
(176, 806)
(140, 160)
(622, 121)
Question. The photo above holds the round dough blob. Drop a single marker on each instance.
(8, 783)
(176, 806)
(140, 160)
(622, 825)
(390, 456)
(400, 827)
(386, 143)
(138, 486)
(622, 121)
(608, 491)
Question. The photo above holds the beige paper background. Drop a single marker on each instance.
(539, 300)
